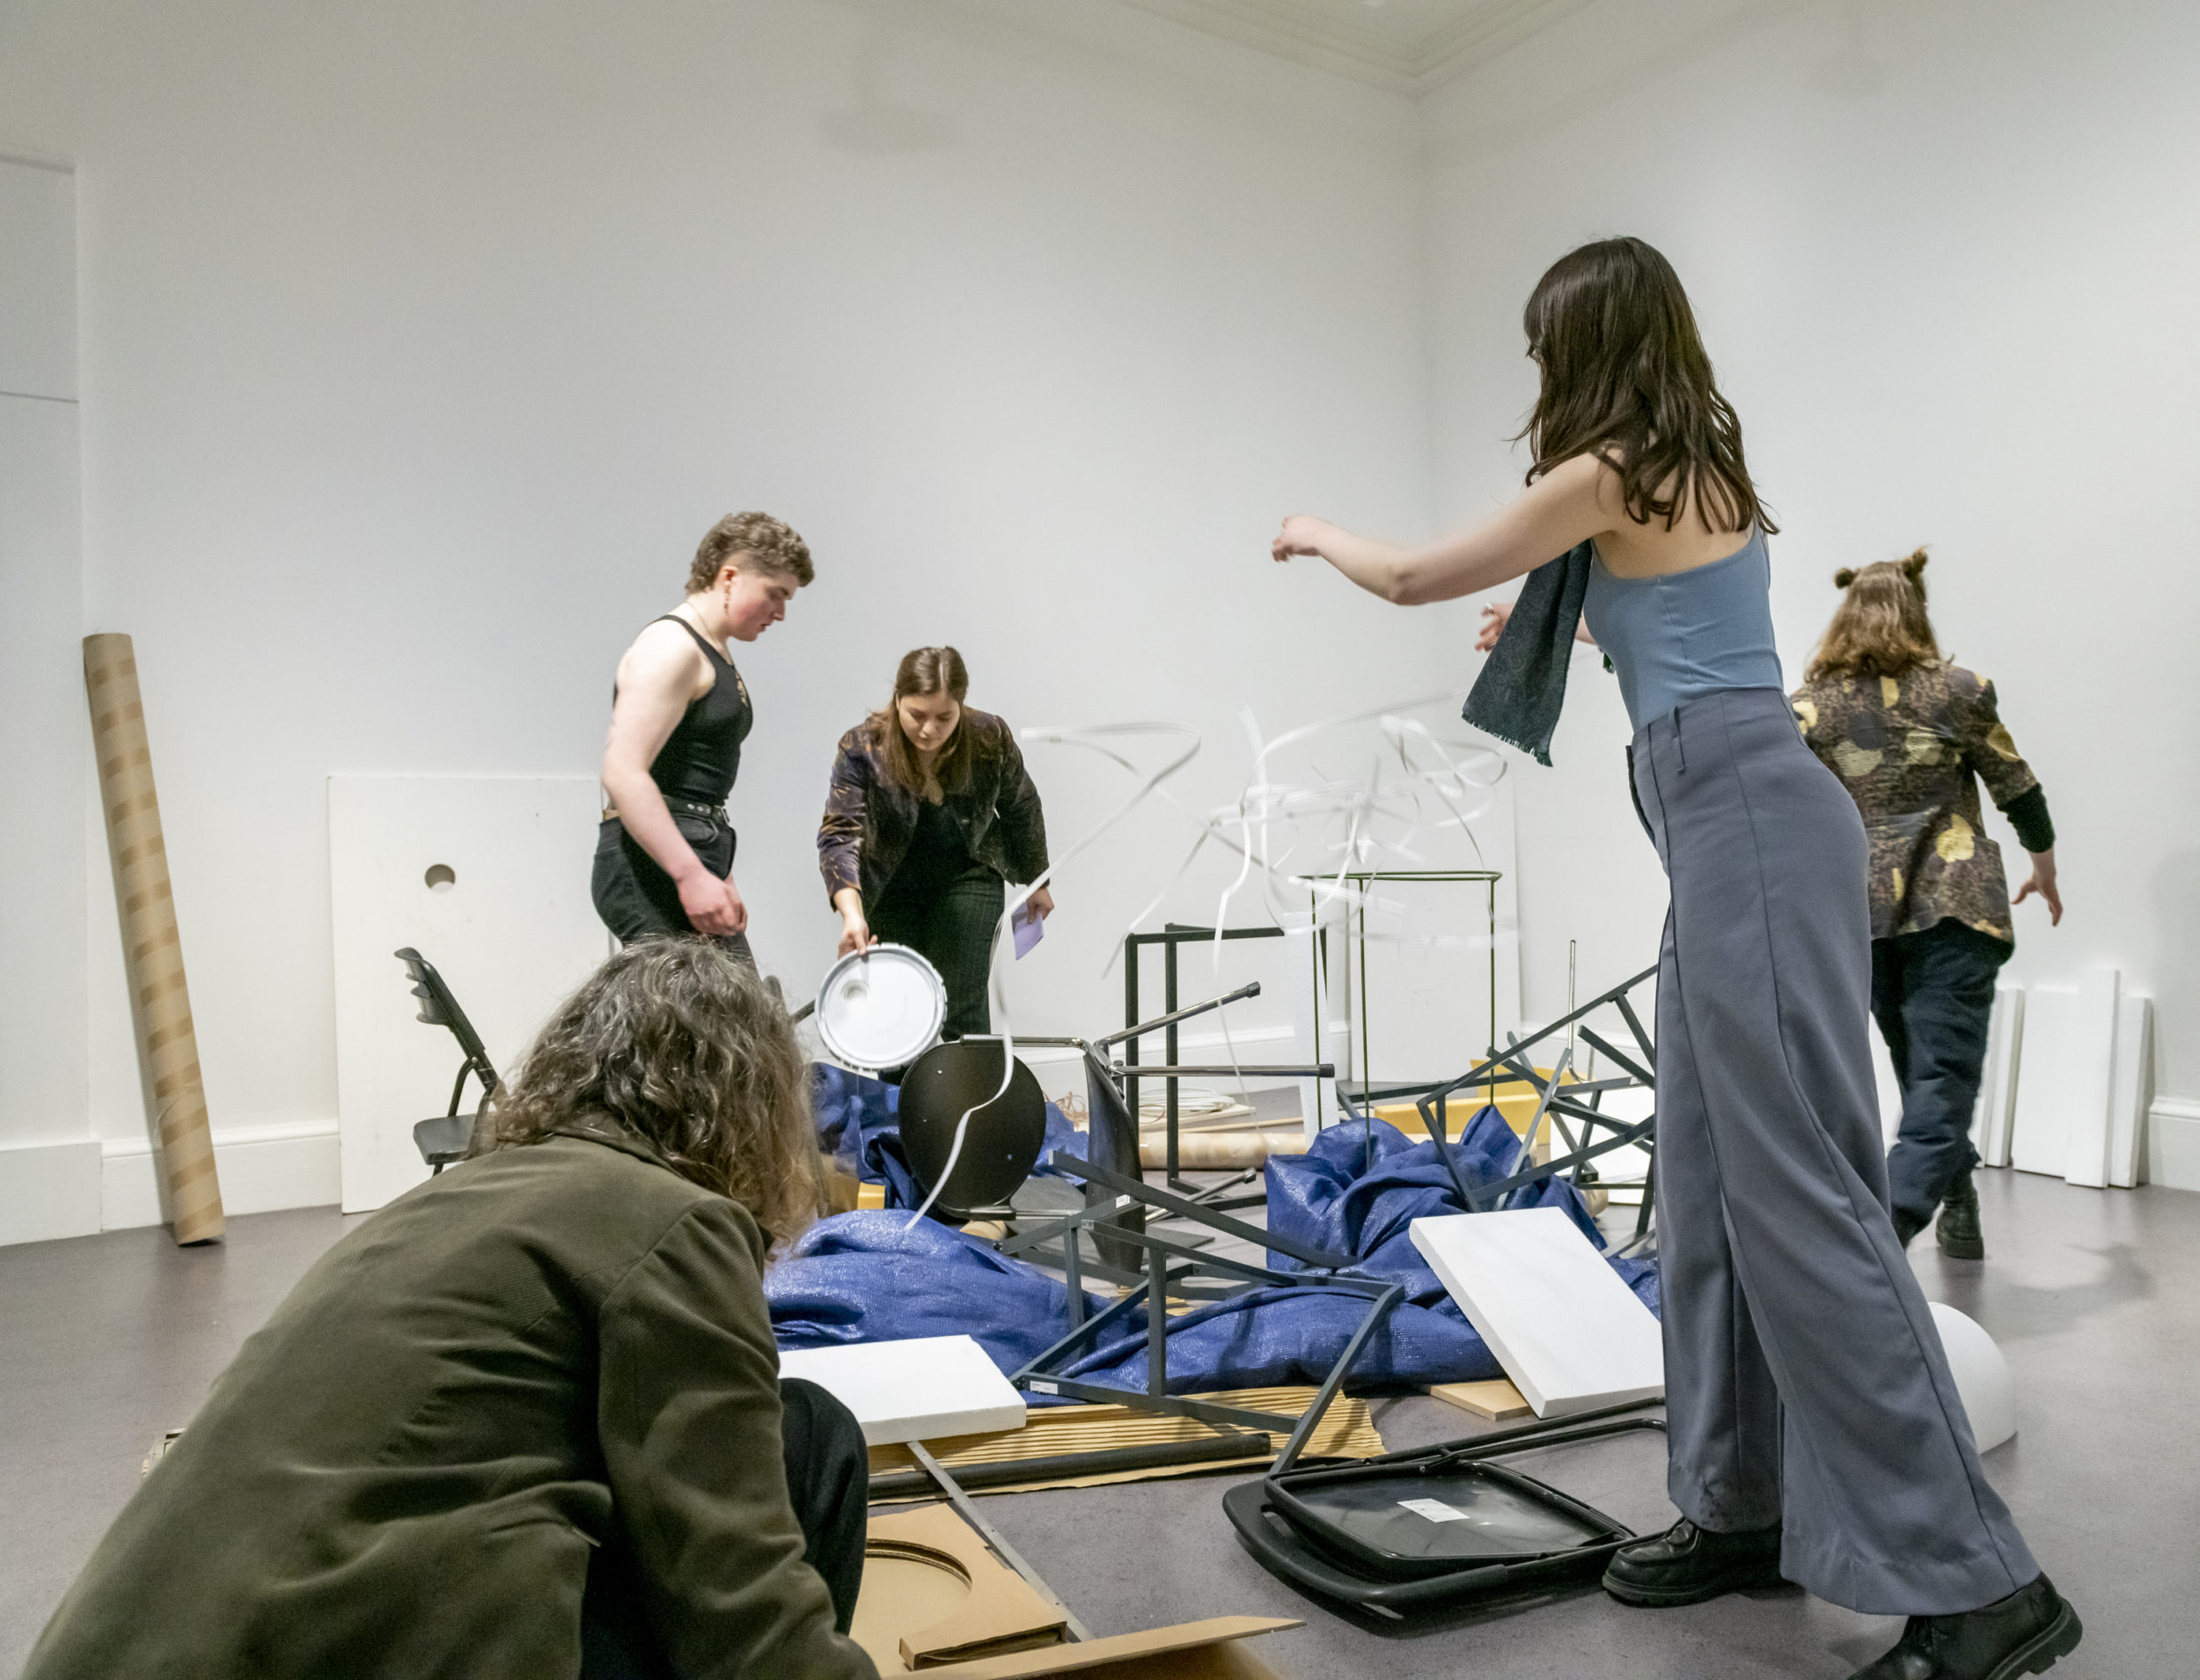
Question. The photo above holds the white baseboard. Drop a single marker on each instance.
(262, 1168)
(2173, 1142)
(49, 1191)
(84, 1186)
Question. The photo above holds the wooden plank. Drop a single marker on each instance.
(1497, 1399)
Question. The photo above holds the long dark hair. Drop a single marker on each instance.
(678, 1045)
(925, 670)
(1625, 379)
(1880, 629)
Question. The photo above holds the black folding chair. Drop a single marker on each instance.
(449, 1136)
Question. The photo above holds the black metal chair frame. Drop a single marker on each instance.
(436, 1138)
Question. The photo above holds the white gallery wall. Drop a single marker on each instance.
(421, 342)
(1945, 257)
(418, 342)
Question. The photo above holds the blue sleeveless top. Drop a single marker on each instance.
(1679, 637)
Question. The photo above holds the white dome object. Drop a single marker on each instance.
(1982, 1377)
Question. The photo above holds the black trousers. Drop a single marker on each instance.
(638, 901)
(953, 927)
(828, 1478)
(1932, 993)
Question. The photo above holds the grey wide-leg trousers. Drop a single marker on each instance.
(1805, 1382)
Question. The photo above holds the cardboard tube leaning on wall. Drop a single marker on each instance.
(152, 950)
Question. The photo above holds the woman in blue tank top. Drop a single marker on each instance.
(1815, 1433)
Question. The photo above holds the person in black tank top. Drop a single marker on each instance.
(679, 713)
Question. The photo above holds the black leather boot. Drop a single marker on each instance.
(2023, 1633)
(1957, 1232)
(1686, 1565)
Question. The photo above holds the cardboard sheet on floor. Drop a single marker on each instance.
(1204, 1650)
(1568, 1332)
(934, 1594)
(915, 1390)
(1347, 1431)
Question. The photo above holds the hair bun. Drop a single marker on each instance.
(1914, 567)
(1845, 576)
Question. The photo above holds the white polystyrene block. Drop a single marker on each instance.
(920, 1388)
(2086, 1149)
(2063, 1098)
(1568, 1332)
(1998, 1090)
(1982, 1377)
(512, 930)
(2134, 1088)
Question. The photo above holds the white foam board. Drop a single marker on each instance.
(2086, 1144)
(2134, 1088)
(1998, 1091)
(511, 927)
(920, 1388)
(2068, 1063)
(1568, 1332)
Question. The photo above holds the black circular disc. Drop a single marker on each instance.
(1005, 1135)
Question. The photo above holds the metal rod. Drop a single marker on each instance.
(1313, 1070)
(1303, 1252)
(1014, 1472)
(1156, 1321)
(994, 1538)
(1335, 1379)
(1251, 988)
(1640, 1075)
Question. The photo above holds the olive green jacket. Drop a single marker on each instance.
(404, 1474)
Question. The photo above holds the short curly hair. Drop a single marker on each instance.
(771, 543)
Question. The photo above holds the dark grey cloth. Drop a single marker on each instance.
(1523, 688)
(638, 901)
(1805, 1380)
(952, 925)
(2027, 815)
(1934, 996)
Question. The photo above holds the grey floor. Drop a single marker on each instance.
(108, 1340)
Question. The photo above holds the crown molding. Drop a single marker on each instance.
(1308, 35)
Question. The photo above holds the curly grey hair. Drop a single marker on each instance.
(676, 1042)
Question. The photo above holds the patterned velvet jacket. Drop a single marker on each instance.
(870, 818)
(1911, 753)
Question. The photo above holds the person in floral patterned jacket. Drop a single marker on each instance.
(1911, 736)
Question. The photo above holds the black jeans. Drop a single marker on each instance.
(638, 901)
(828, 1478)
(1932, 993)
(953, 929)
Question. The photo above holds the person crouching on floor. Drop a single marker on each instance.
(526, 1420)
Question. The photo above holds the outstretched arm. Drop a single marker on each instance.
(1558, 511)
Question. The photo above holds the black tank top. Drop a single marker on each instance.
(702, 755)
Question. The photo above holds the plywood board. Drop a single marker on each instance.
(1997, 1107)
(913, 1389)
(1568, 1332)
(2134, 1088)
(1347, 1431)
(513, 931)
(1157, 1654)
(1497, 1399)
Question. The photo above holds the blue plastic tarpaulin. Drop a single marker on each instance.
(865, 1276)
(858, 1126)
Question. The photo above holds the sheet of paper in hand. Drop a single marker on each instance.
(1027, 928)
